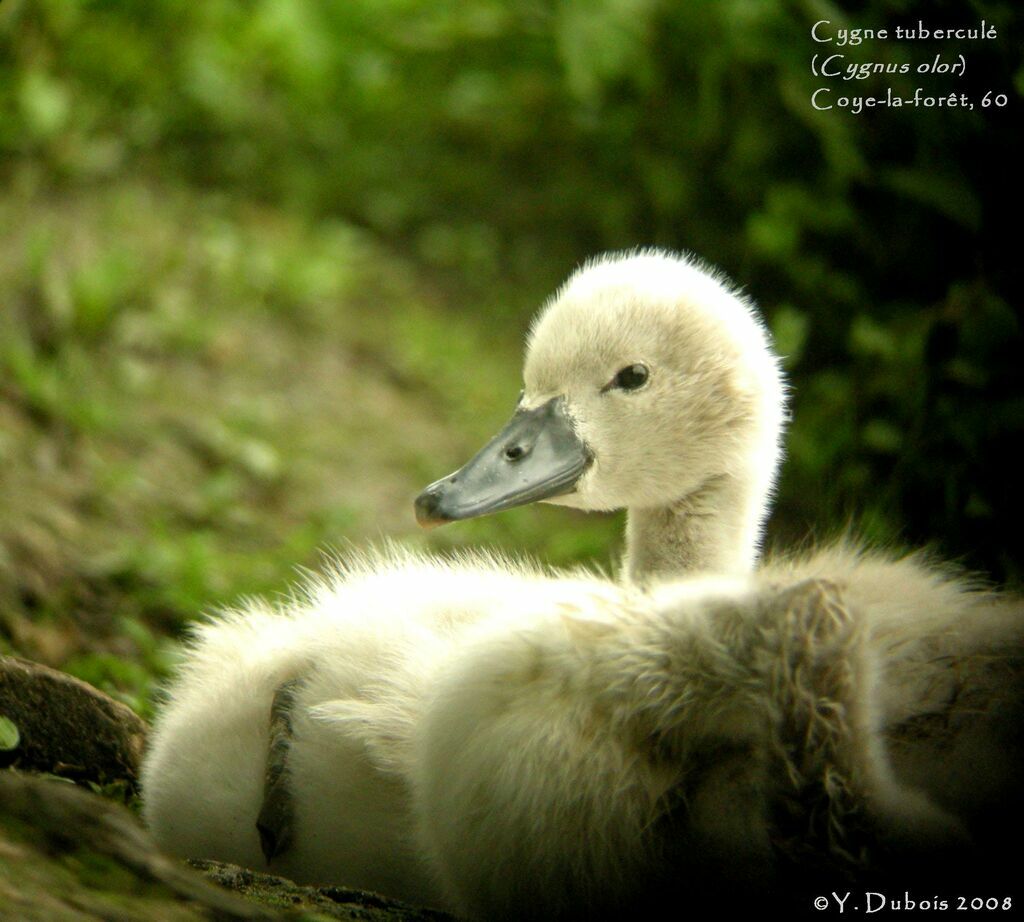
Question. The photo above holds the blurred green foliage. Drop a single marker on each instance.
(483, 149)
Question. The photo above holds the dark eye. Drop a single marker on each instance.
(630, 378)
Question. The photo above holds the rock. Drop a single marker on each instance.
(67, 855)
(67, 727)
(335, 902)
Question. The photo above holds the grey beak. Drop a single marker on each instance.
(536, 456)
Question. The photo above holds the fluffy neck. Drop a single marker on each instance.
(717, 528)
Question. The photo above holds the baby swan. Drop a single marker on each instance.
(480, 736)
(650, 385)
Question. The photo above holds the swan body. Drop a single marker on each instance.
(483, 737)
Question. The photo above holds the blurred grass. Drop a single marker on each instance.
(266, 266)
(198, 395)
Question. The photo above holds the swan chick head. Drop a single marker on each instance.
(646, 376)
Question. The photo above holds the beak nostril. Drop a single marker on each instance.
(514, 452)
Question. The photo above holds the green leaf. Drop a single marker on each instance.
(9, 735)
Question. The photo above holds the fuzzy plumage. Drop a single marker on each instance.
(480, 736)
